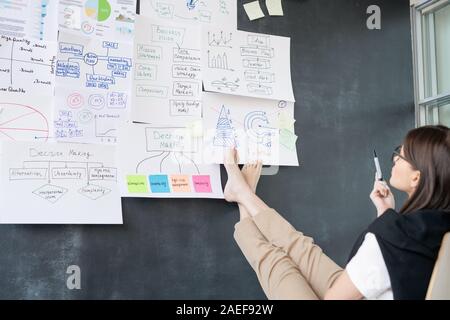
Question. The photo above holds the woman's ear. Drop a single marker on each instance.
(415, 179)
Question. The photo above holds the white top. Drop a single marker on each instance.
(368, 272)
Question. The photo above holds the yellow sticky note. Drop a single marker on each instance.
(274, 7)
(285, 121)
(253, 10)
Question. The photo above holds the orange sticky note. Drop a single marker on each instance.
(180, 183)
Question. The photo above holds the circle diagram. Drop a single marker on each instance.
(75, 100)
(256, 123)
(282, 104)
(99, 10)
(90, 58)
(85, 116)
(96, 101)
(87, 27)
(20, 122)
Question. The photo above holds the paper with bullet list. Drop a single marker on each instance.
(167, 82)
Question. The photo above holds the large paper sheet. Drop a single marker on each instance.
(105, 19)
(247, 64)
(27, 66)
(163, 162)
(259, 129)
(36, 19)
(59, 183)
(167, 79)
(1, 156)
(219, 12)
(25, 117)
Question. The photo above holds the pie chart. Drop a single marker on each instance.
(19, 122)
(99, 10)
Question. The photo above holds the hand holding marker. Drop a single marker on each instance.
(379, 175)
(381, 195)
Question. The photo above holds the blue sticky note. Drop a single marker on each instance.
(159, 183)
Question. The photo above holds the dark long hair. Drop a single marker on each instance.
(428, 150)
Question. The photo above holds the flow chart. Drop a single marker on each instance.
(53, 171)
(95, 70)
(246, 64)
(165, 162)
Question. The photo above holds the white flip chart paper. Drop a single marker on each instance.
(259, 129)
(164, 162)
(59, 183)
(246, 64)
(167, 81)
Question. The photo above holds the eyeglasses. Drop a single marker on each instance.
(396, 155)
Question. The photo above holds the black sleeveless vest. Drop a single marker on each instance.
(410, 245)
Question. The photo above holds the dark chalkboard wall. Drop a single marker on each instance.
(354, 92)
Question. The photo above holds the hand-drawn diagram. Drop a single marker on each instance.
(94, 70)
(219, 61)
(225, 84)
(163, 97)
(192, 11)
(101, 18)
(257, 127)
(89, 116)
(248, 64)
(260, 129)
(52, 172)
(24, 117)
(170, 149)
(225, 134)
(21, 122)
(190, 4)
(220, 48)
(220, 39)
(27, 66)
(256, 56)
(59, 183)
(165, 162)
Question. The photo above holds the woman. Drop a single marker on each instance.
(392, 259)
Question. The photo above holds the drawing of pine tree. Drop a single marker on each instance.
(225, 136)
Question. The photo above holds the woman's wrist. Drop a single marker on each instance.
(382, 210)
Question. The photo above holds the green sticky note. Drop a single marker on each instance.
(285, 121)
(137, 184)
(288, 139)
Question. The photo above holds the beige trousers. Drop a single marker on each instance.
(288, 264)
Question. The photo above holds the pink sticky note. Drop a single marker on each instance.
(202, 183)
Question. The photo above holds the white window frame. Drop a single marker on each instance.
(426, 99)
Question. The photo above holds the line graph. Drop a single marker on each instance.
(220, 39)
